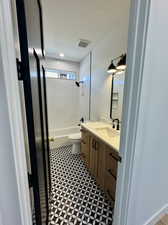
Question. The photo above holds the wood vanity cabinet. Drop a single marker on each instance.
(101, 165)
(102, 162)
(97, 160)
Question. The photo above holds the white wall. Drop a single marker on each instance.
(119, 89)
(113, 45)
(9, 203)
(149, 188)
(85, 87)
(62, 99)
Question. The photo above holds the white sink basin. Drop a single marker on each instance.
(104, 132)
(108, 132)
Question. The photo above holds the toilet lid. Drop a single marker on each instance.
(75, 136)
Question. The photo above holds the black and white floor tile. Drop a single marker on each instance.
(75, 197)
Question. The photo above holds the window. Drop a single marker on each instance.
(60, 74)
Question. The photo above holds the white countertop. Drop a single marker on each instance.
(104, 132)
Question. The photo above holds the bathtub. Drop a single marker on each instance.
(64, 131)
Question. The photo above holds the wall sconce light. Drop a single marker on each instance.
(120, 66)
(122, 63)
(112, 68)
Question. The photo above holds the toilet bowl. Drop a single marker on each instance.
(75, 140)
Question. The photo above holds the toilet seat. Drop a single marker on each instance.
(75, 136)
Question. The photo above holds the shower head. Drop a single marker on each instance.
(78, 83)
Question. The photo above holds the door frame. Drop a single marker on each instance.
(7, 49)
(139, 13)
(137, 38)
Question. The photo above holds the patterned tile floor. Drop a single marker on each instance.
(75, 197)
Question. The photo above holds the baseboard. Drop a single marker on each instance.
(157, 216)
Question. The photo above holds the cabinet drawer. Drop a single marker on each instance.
(111, 162)
(101, 165)
(110, 186)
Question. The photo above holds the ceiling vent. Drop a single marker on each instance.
(83, 43)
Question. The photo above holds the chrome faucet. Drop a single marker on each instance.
(118, 123)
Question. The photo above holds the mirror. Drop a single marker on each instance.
(117, 91)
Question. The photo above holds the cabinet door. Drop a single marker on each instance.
(85, 147)
(101, 164)
(92, 155)
(94, 151)
(84, 152)
(83, 144)
(96, 157)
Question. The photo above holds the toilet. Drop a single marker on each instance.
(75, 140)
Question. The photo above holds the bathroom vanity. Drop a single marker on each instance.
(100, 151)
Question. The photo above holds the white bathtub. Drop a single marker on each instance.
(64, 132)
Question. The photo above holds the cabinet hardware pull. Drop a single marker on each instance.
(93, 144)
(96, 146)
(114, 157)
(83, 142)
(83, 155)
(108, 192)
(110, 172)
